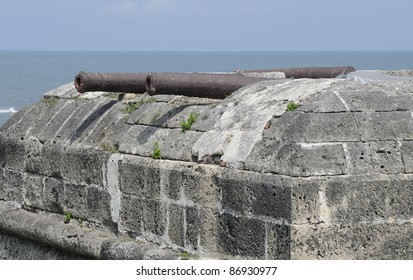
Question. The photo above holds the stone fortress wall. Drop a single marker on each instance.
(249, 179)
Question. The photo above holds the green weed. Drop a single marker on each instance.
(133, 106)
(156, 153)
(186, 125)
(292, 106)
(188, 256)
(68, 217)
(51, 101)
(109, 148)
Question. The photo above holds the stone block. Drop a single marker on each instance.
(263, 156)
(314, 127)
(238, 191)
(292, 159)
(247, 193)
(337, 127)
(407, 156)
(83, 165)
(54, 194)
(51, 160)
(398, 199)
(140, 176)
(33, 149)
(79, 119)
(131, 213)
(241, 236)
(290, 126)
(132, 178)
(173, 183)
(192, 227)
(51, 108)
(22, 124)
(272, 200)
(198, 184)
(172, 115)
(402, 102)
(375, 157)
(368, 101)
(207, 117)
(98, 202)
(359, 199)
(275, 197)
(327, 102)
(91, 119)
(310, 160)
(209, 229)
(352, 242)
(103, 123)
(176, 229)
(15, 120)
(12, 153)
(385, 126)
(76, 200)
(147, 112)
(278, 241)
(173, 143)
(152, 179)
(61, 112)
(34, 191)
(11, 185)
(154, 217)
(111, 134)
(305, 201)
(143, 215)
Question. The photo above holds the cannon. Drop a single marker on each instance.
(207, 85)
(307, 72)
(204, 85)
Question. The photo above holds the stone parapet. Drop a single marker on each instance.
(247, 178)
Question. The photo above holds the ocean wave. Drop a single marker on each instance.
(11, 110)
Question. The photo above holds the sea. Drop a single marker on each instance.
(26, 75)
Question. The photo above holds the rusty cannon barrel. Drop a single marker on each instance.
(112, 82)
(207, 85)
(203, 85)
(308, 72)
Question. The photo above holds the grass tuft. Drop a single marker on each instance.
(186, 125)
(156, 153)
(292, 106)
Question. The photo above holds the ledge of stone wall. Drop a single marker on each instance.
(77, 239)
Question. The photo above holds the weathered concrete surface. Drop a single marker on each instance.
(330, 180)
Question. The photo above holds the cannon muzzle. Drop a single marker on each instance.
(112, 82)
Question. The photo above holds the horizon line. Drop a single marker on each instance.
(199, 51)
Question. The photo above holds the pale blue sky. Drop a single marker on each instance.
(208, 25)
